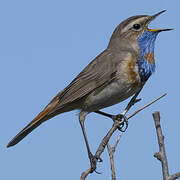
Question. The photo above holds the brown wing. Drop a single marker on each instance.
(99, 72)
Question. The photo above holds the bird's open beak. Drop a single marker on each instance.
(151, 18)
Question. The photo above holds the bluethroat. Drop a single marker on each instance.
(119, 72)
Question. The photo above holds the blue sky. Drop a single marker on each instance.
(43, 46)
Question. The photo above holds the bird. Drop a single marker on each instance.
(116, 74)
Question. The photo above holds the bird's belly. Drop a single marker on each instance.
(110, 95)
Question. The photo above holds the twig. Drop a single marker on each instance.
(105, 140)
(115, 126)
(85, 173)
(174, 176)
(133, 114)
(101, 148)
(111, 151)
(161, 155)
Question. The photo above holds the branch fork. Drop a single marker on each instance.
(161, 155)
(117, 123)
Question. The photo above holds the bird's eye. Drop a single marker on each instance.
(136, 26)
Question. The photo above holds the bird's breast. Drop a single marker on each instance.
(112, 94)
(125, 84)
(127, 71)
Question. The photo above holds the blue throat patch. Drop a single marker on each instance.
(146, 64)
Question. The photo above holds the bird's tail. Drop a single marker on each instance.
(40, 118)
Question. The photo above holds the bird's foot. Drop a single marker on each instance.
(93, 162)
(122, 120)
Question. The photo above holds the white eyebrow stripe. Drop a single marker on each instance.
(130, 25)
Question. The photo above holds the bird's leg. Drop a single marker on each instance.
(104, 114)
(119, 117)
(122, 117)
(92, 158)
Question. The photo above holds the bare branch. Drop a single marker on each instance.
(117, 141)
(111, 151)
(174, 176)
(161, 155)
(85, 173)
(111, 156)
(115, 126)
(101, 147)
(142, 108)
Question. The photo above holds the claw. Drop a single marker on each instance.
(123, 119)
(97, 172)
(99, 159)
(93, 162)
(126, 126)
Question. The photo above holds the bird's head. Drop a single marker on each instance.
(134, 33)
